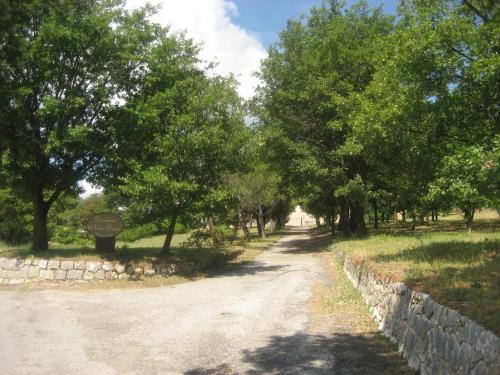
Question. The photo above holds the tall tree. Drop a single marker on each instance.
(191, 131)
(65, 68)
(309, 77)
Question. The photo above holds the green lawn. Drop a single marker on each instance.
(459, 269)
(146, 248)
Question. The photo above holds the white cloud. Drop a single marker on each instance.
(88, 189)
(209, 22)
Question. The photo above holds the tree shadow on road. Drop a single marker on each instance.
(313, 244)
(304, 353)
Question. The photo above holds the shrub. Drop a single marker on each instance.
(219, 236)
(179, 227)
(136, 233)
(69, 235)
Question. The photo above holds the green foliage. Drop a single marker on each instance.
(217, 236)
(15, 218)
(63, 65)
(136, 233)
(465, 180)
(355, 104)
(70, 236)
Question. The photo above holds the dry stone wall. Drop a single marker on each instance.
(21, 270)
(433, 338)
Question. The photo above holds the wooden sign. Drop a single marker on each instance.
(105, 227)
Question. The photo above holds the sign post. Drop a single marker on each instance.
(105, 227)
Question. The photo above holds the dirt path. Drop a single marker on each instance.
(253, 319)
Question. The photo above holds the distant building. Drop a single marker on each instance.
(299, 218)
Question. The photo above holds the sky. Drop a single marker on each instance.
(234, 33)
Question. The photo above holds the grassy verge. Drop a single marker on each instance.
(341, 313)
(459, 269)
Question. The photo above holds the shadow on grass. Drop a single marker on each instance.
(404, 229)
(448, 251)
(463, 275)
(317, 354)
(132, 254)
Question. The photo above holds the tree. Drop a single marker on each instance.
(467, 179)
(305, 106)
(65, 68)
(258, 193)
(190, 131)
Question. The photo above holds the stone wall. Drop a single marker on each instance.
(21, 270)
(433, 338)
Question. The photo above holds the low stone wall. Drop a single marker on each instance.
(433, 338)
(21, 270)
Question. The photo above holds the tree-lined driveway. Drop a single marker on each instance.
(250, 320)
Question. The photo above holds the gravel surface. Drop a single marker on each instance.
(248, 320)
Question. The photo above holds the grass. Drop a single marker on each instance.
(458, 268)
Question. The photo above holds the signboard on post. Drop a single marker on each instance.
(105, 227)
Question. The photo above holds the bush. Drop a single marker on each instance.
(199, 238)
(219, 236)
(15, 218)
(69, 235)
(179, 227)
(136, 233)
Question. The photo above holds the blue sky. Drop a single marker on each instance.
(266, 18)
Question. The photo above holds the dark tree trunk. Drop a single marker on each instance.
(279, 222)
(40, 238)
(375, 214)
(382, 216)
(344, 219)
(357, 220)
(413, 219)
(317, 221)
(403, 216)
(469, 217)
(262, 223)
(170, 233)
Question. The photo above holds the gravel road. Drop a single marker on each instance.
(250, 320)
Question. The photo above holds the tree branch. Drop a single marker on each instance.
(484, 17)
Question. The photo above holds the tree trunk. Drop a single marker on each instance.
(469, 217)
(334, 216)
(40, 238)
(413, 219)
(259, 228)
(317, 221)
(403, 216)
(375, 214)
(344, 219)
(262, 222)
(243, 226)
(279, 222)
(272, 224)
(357, 219)
(170, 233)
